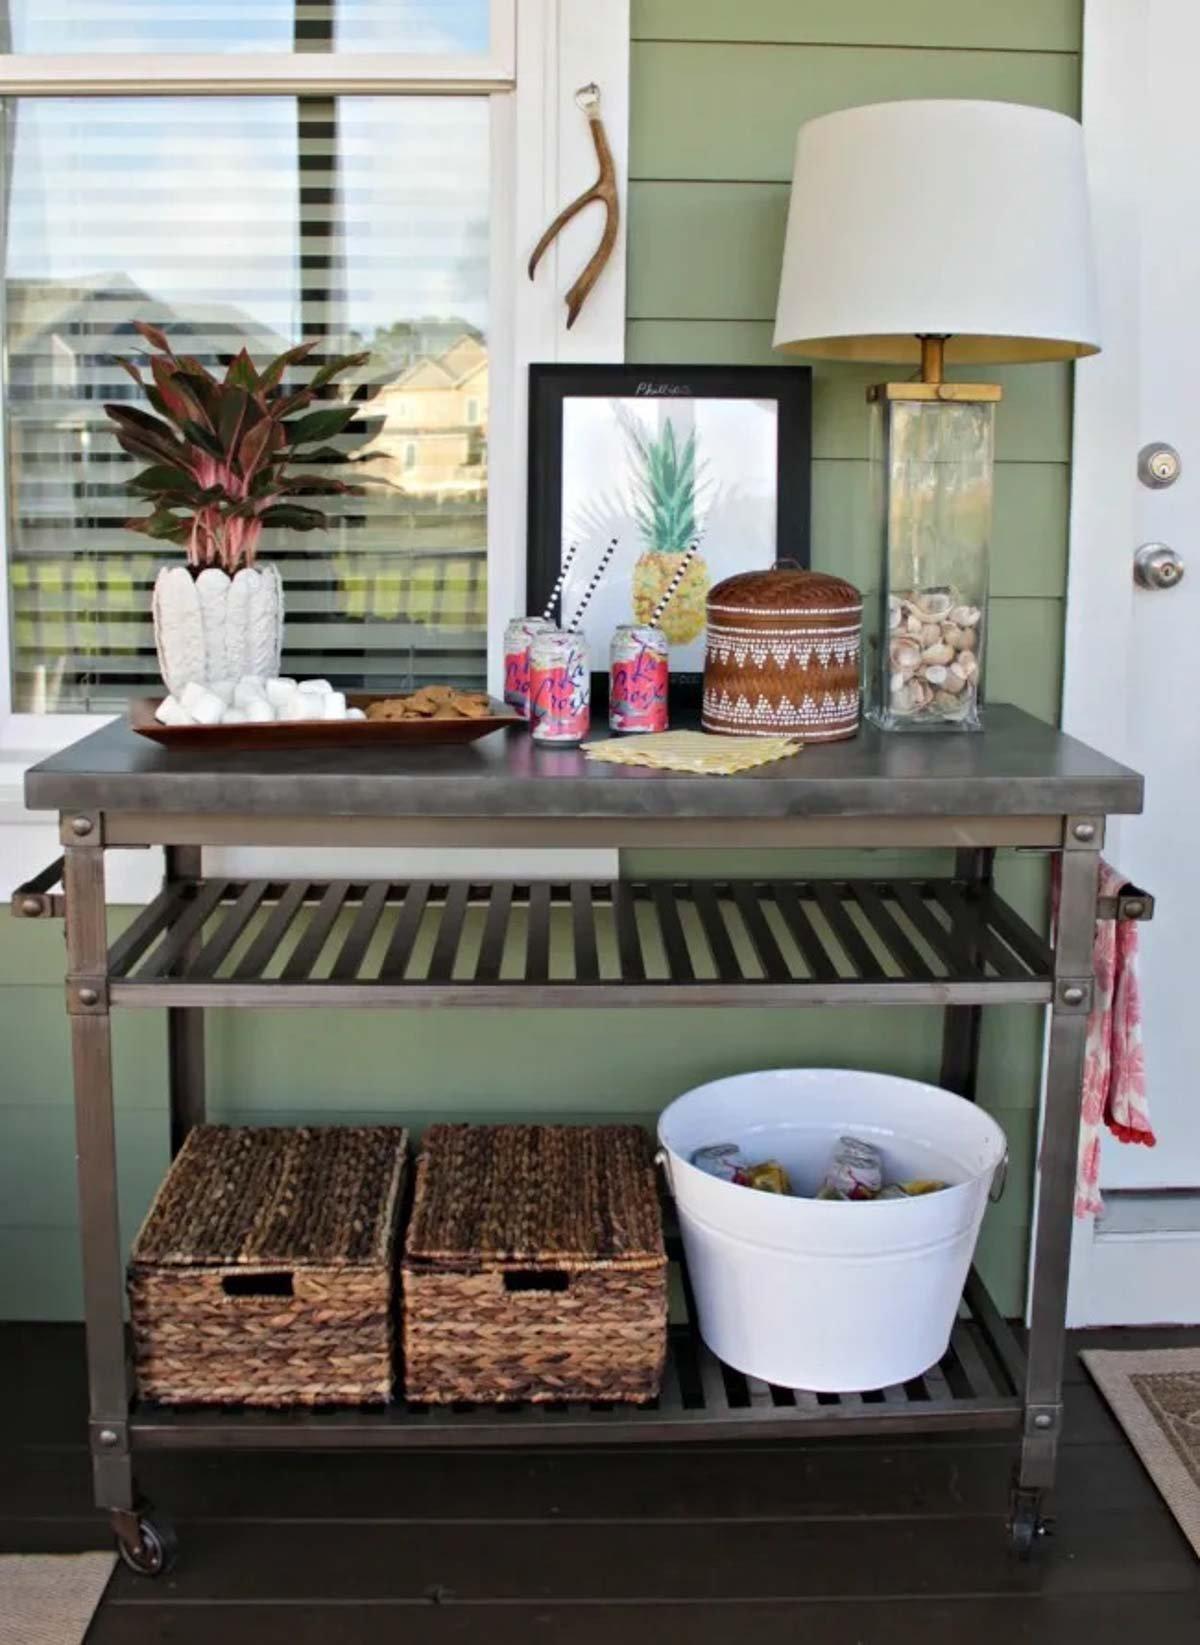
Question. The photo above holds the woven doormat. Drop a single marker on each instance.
(1155, 1396)
(695, 751)
(49, 1599)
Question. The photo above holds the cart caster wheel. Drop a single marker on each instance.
(1026, 1527)
(155, 1550)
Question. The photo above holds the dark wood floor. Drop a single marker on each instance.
(837, 1543)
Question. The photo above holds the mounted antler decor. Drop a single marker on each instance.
(604, 190)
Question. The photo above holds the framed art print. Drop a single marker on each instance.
(659, 457)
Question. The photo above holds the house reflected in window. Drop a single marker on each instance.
(433, 439)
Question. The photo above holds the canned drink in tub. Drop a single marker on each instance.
(560, 688)
(638, 690)
(518, 637)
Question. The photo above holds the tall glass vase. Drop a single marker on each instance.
(934, 458)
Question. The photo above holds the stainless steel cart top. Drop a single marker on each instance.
(1018, 767)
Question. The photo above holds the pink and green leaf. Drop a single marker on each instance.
(156, 337)
(163, 526)
(273, 375)
(334, 368)
(241, 373)
(256, 448)
(178, 399)
(131, 370)
(320, 425)
(293, 517)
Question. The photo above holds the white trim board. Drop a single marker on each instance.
(1154, 1275)
(1140, 1263)
(1104, 437)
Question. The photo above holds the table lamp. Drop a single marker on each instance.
(936, 233)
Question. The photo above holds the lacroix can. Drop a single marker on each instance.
(518, 636)
(560, 688)
(637, 698)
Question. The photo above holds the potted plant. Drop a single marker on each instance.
(220, 451)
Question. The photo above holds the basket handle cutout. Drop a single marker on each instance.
(537, 1279)
(259, 1285)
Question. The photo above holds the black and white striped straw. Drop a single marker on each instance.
(605, 558)
(680, 573)
(562, 577)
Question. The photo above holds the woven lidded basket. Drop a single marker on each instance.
(534, 1266)
(263, 1273)
(782, 655)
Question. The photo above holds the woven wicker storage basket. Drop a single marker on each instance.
(782, 655)
(534, 1266)
(263, 1274)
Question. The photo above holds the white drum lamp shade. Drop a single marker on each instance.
(967, 220)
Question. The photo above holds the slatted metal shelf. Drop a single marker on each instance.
(976, 1385)
(665, 942)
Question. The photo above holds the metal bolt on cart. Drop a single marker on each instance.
(207, 941)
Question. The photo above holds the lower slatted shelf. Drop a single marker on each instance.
(977, 1384)
(665, 942)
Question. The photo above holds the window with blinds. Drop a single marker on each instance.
(256, 222)
(244, 25)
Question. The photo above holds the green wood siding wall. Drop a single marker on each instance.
(718, 89)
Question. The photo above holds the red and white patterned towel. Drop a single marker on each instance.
(1114, 1071)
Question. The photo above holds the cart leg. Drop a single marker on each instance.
(963, 1023)
(185, 1027)
(1056, 1171)
(95, 1147)
(146, 1545)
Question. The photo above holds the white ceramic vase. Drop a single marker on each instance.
(211, 626)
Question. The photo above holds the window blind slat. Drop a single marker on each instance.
(254, 25)
(224, 253)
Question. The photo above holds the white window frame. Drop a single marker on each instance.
(540, 52)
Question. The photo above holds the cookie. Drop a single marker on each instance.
(432, 702)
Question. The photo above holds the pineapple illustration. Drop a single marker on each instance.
(668, 498)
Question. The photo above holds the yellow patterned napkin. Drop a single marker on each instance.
(697, 751)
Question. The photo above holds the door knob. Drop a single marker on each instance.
(1157, 566)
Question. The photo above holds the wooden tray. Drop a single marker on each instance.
(320, 733)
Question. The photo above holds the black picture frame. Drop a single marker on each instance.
(550, 386)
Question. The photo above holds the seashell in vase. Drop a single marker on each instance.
(210, 626)
(933, 656)
(905, 652)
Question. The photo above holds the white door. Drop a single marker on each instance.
(1132, 682)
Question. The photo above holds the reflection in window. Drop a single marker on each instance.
(313, 238)
(423, 26)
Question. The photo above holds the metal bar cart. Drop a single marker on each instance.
(210, 940)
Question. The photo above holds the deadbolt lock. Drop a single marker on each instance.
(1159, 465)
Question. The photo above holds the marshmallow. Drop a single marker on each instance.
(172, 712)
(258, 713)
(278, 690)
(223, 689)
(301, 705)
(355, 714)
(249, 689)
(323, 687)
(192, 692)
(204, 706)
(233, 716)
(334, 705)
